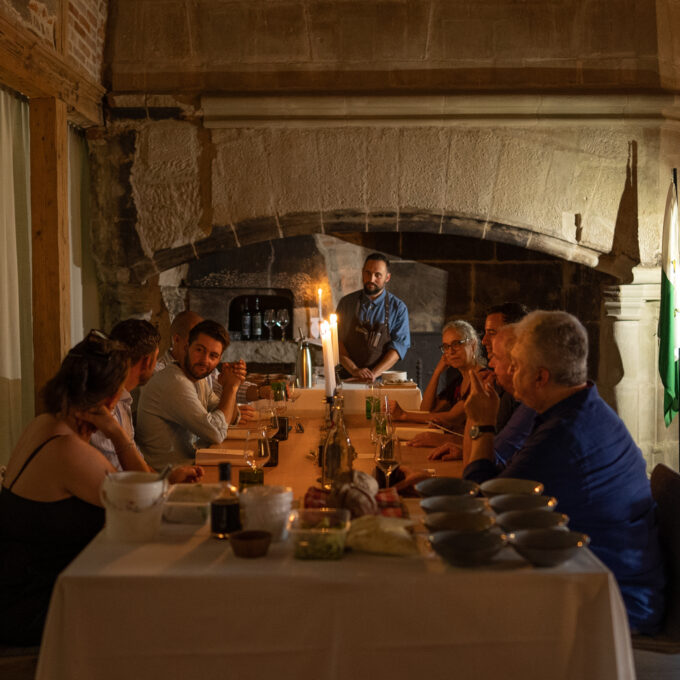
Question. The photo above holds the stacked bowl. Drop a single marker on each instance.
(266, 508)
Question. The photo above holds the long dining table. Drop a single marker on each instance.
(183, 606)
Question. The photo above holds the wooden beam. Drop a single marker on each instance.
(50, 238)
(29, 66)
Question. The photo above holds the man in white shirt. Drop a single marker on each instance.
(141, 338)
(178, 408)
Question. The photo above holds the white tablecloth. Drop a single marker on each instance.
(185, 607)
(311, 400)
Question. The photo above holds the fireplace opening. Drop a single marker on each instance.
(274, 325)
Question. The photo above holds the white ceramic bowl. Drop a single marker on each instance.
(467, 550)
(517, 520)
(547, 547)
(447, 486)
(505, 485)
(521, 501)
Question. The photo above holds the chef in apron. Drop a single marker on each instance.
(373, 325)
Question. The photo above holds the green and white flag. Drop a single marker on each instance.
(669, 314)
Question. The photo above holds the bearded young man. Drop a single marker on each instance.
(373, 329)
(178, 410)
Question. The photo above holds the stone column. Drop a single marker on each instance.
(628, 373)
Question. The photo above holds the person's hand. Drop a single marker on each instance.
(481, 406)
(412, 477)
(446, 451)
(442, 365)
(233, 374)
(365, 374)
(248, 412)
(424, 439)
(186, 474)
(100, 418)
(396, 411)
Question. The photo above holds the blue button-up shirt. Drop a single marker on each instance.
(373, 311)
(583, 454)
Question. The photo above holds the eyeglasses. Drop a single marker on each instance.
(454, 345)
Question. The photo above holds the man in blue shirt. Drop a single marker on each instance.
(582, 453)
(373, 330)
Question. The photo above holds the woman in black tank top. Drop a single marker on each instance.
(49, 500)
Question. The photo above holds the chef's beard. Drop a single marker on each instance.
(372, 289)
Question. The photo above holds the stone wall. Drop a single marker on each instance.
(392, 45)
(76, 29)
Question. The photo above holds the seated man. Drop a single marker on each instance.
(141, 339)
(178, 407)
(582, 453)
(179, 335)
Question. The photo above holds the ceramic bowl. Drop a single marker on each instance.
(447, 486)
(250, 543)
(505, 485)
(508, 502)
(547, 547)
(463, 523)
(467, 550)
(517, 520)
(457, 504)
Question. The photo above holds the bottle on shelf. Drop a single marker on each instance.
(338, 452)
(225, 512)
(257, 321)
(246, 322)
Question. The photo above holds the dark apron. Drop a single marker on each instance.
(365, 342)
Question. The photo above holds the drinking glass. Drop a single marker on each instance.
(256, 449)
(388, 455)
(267, 419)
(282, 320)
(269, 321)
(381, 427)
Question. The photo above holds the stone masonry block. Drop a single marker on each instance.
(342, 168)
(165, 30)
(165, 185)
(221, 30)
(382, 169)
(423, 158)
(241, 181)
(472, 167)
(299, 224)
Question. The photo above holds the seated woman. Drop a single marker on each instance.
(49, 501)
(460, 350)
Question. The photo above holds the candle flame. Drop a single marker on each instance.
(334, 319)
(325, 328)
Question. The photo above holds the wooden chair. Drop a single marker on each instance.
(666, 491)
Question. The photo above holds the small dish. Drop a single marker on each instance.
(462, 523)
(508, 502)
(547, 547)
(454, 504)
(447, 486)
(250, 543)
(467, 550)
(505, 485)
(517, 520)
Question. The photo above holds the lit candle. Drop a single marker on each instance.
(334, 339)
(319, 292)
(328, 365)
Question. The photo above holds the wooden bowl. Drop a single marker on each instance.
(250, 543)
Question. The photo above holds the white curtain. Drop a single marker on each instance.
(16, 335)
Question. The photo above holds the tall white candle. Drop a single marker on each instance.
(328, 365)
(334, 339)
(319, 292)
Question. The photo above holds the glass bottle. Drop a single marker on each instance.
(245, 321)
(338, 451)
(257, 321)
(225, 512)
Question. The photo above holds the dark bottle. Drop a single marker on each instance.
(245, 322)
(257, 321)
(225, 512)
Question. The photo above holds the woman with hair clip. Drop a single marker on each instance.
(461, 350)
(49, 501)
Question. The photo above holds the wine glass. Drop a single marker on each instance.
(381, 426)
(256, 448)
(267, 419)
(388, 455)
(282, 320)
(269, 321)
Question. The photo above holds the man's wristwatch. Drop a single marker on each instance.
(476, 431)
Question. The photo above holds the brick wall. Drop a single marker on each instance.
(85, 33)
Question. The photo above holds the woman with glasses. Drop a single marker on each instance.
(461, 350)
(49, 500)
